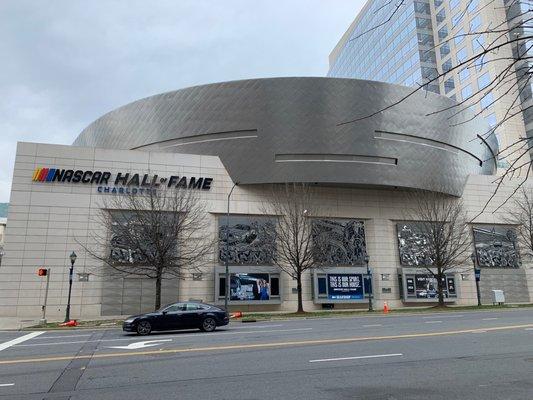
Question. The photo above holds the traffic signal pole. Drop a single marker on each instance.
(43, 319)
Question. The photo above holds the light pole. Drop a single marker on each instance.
(226, 259)
(477, 274)
(369, 275)
(71, 271)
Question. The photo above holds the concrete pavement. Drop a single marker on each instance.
(471, 355)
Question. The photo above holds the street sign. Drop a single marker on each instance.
(477, 273)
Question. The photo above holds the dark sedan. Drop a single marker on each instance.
(205, 317)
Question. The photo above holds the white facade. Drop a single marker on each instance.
(49, 220)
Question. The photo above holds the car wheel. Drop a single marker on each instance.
(144, 328)
(208, 325)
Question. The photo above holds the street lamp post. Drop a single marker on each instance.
(477, 274)
(71, 271)
(226, 259)
(369, 275)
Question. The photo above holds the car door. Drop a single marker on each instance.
(173, 317)
(193, 315)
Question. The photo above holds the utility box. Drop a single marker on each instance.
(498, 297)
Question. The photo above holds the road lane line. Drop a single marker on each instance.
(529, 329)
(356, 358)
(433, 322)
(176, 336)
(259, 326)
(371, 325)
(489, 319)
(258, 345)
(6, 384)
(443, 316)
(18, 340)
(59, 337)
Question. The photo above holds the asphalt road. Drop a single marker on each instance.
(467, 356)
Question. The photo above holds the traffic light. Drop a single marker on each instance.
(42, 272)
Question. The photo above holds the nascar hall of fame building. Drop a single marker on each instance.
(257, 133)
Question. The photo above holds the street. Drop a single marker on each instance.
(459, 355)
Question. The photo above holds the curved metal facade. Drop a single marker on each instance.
(291, 130)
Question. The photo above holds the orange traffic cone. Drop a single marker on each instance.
(385, 308)
(72, 322)
(237, 314)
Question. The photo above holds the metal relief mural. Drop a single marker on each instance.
(250, 240)
(496, 246)
(339, 242)
(125, 231)
(413, 244)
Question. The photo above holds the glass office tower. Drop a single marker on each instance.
(410, 43)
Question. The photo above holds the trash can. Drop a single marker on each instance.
(498, 297)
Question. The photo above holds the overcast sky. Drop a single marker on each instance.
(65, 63)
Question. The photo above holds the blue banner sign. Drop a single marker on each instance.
(345, 287)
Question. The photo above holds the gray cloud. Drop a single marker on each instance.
(65, 63)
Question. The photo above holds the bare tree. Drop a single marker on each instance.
(443, 223)
(521, 215)
(159, 234)
(508, 45)
(293, 204)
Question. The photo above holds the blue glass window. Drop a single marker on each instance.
(472, 5)
(457, 18)
(477, 42)
(475, 23)
(464, 74)
(441, 16)
(449, 85)
(486, 101)
(444, 50)
(459, 37)
(443, 32)
(483, 81)
(461, 55)
(466, 92)
(454, 3)
(447, 65)
(491, 120)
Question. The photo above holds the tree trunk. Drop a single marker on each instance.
(440, 288)
(158, 281)
(299, 289)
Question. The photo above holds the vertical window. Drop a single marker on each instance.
(444, 50)
(472, 5)
(477, 43)
(466, 92)
(486, 101)
(443, 32)
(449, 85)
(461, 55)
(491, 120)
(475, 23)
(441, 16)
(454, 3)
(459, 37)
(447, 65)
(457, 18)
(464, 74)
(483, 81)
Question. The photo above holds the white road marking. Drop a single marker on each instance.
(489, 319)
(18, 340)
(479, 331)
(372, 325)
(141, 345)
(356, 358)
(433, 322)
(60, 337)
(529, 329)
(444, 316)
(6, 384)
(177, 336)
(259, 326)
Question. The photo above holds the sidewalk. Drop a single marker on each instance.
(16, 323)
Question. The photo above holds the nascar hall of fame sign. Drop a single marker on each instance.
(121, 183)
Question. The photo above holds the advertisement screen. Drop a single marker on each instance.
(345, 287)
(250, 287)
(424, 286)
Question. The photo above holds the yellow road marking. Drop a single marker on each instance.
(260, 345)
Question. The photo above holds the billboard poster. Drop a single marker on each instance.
(423, 286)
(345, 286)
(250, 287)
